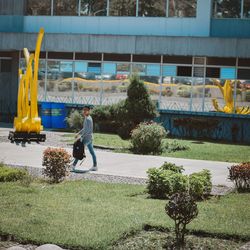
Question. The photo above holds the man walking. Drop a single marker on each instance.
(87, 137)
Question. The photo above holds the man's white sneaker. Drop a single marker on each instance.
(93, 169)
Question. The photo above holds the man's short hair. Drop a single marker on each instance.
(87, 107)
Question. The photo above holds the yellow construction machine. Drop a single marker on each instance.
(27, 123)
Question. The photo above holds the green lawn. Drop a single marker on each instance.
(95, 215)
(212, 151)
(106, 140)
(197, 149)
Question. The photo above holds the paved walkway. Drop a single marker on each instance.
(110, 163)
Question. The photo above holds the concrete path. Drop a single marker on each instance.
(110, 163)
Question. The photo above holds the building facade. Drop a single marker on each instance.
(178, 47)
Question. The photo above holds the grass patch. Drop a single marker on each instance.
(212, 151)
(106, 140)
(92, 215)
(197, 149)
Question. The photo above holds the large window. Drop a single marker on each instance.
(151, 75)
(246, 9)
(87, 82)
(122, 7)
(182, 8)
(93, 8)
(38, 8)
(152, 8)
(227, 8)
(59, 81)
(144, 8)
(65, 7)
(115, 81)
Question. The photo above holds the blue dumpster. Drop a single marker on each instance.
(46, 114)
(58, 115)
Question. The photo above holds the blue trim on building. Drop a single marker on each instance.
(11, 23)
(150, 26)
(239, 28)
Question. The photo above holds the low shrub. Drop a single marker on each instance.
(147, 138)
(64, 86)
(172, 167)
(184, 91)
(174, 146)
(182, 209)
(163, 183)
(169, 179)
(200, 184)
(101, 113)
(75, 120)
(240, 175)
(56, 163)
(11, 174)
(110, 119)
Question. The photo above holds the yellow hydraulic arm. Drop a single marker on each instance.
(27, 120)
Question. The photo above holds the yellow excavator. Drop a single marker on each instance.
(27, 123)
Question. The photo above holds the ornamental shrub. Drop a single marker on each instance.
(56, 162)
(124, 116)
(168, 179)
(200, 184)
(172, 167)
(138, 105)
(182, 209)
(147, 138)
(11, 174)
(101, 113)
(240, 175)
(163, 183)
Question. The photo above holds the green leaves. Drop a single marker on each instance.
(168, 180)
(240, 175)
(56, 162)
(147, 138)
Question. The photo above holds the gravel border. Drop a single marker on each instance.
(94, 176)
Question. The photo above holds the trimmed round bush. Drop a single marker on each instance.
(240, 175)
(164, 183)
(200, 184)
(169, 179)
(56, 162)
(172, 167)
(147, 138)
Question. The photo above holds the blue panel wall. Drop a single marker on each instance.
(230, 28)
(11, 23)
(119, 25)
(211, 126)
